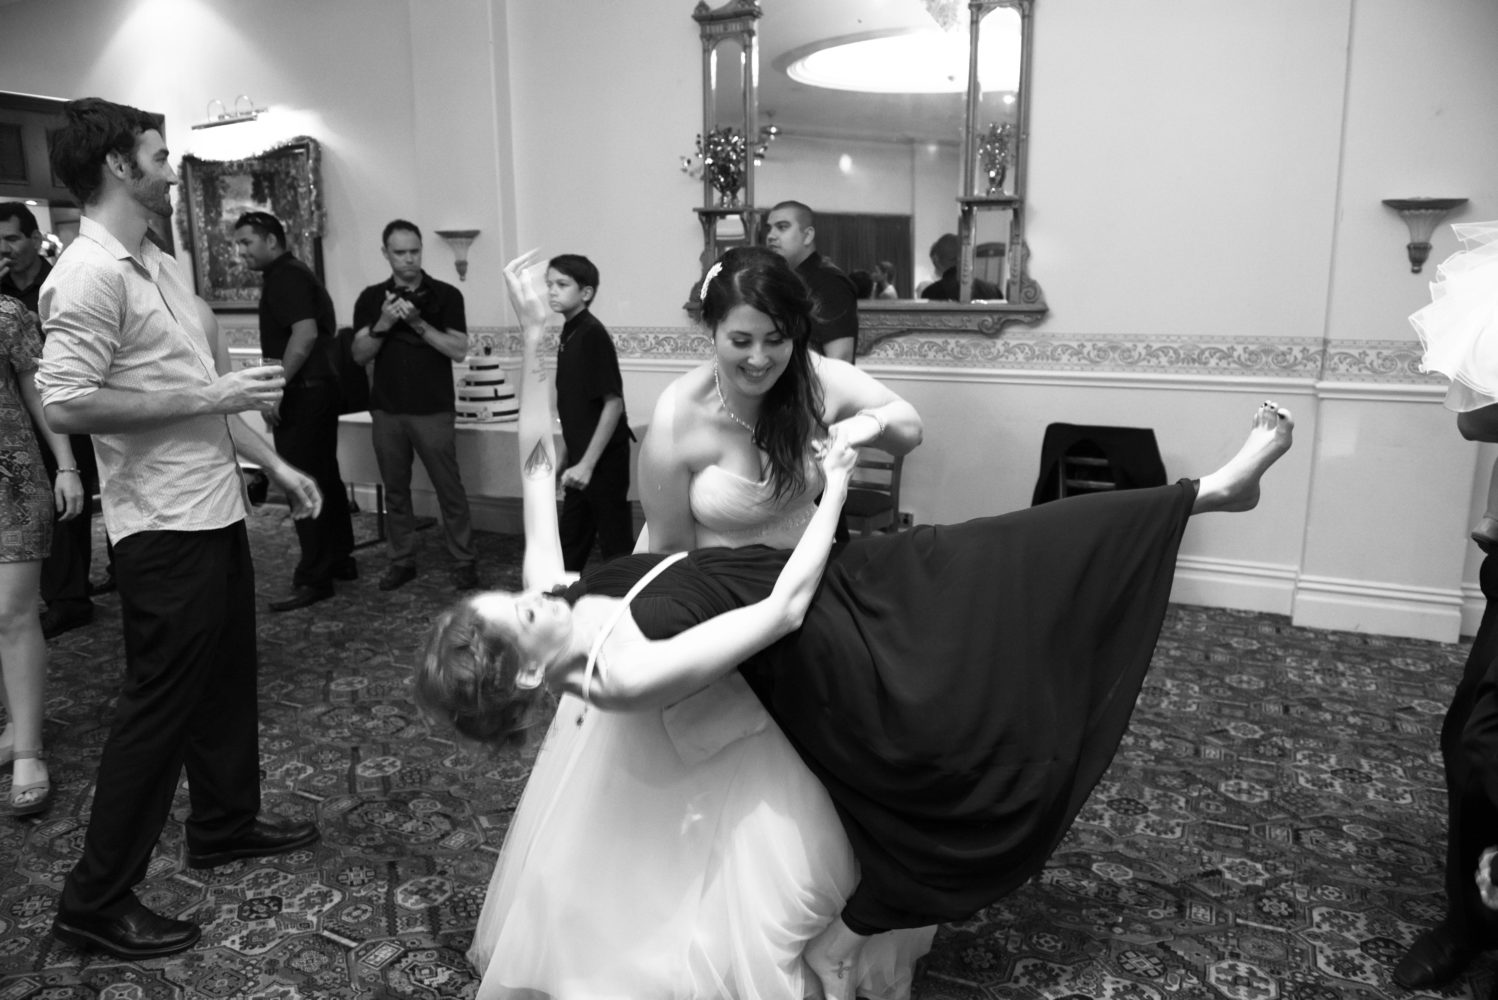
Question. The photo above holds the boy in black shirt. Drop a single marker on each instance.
(590, 402)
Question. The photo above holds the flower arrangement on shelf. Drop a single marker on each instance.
(723, 152)
(996, 152)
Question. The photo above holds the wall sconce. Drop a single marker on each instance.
(1422, 216)
(459, 240)
(218, 114)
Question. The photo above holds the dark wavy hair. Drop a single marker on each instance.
(465, 678)
(94, 129)
(17, 211)
(791, 414)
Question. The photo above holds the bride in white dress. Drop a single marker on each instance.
(690, 854)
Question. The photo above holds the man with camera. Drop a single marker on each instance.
(412, 327)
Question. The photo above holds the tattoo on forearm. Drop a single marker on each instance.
(539, 464)
(539, 372)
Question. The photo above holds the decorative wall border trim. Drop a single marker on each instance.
(1371, 362)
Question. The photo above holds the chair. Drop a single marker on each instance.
(1083, 468)
(873, 502)
(1091, 459)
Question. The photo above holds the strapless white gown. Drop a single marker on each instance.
(686, 855)
(1459, 329)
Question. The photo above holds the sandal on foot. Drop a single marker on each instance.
(20, 802)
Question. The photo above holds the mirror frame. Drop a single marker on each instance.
(880, 320)
(736, 21)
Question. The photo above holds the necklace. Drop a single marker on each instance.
(724, 400)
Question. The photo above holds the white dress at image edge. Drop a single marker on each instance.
(1459, 329)
(647, 863)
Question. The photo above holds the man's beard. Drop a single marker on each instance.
(154, 196)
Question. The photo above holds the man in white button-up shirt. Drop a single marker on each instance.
(128, 361)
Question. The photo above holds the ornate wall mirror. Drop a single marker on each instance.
(900, 122)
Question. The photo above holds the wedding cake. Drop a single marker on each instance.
(483, 394)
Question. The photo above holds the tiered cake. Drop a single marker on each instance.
(483, 394)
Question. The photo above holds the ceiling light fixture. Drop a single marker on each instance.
(906, 61)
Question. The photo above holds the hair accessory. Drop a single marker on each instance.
(712, 273)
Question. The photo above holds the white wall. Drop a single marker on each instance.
(1204, 216)
(605, 100)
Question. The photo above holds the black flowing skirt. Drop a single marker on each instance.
(959, 689)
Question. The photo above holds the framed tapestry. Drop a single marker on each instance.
(283, 181)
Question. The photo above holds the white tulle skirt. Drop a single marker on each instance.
(1459, 329)
(630, 873)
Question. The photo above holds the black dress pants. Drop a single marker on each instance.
(601, 512)
(65, 570)
(188, 699)
(1470, 753)
(307, 437)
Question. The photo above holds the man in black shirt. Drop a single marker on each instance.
(297, 326)
(65, 570)
(413, 328)
(944, 258)
(793, 235)
(22, 269)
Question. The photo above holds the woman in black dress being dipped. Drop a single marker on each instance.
(959, 689)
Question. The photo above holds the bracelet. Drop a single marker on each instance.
(73, 471)
(877, 419)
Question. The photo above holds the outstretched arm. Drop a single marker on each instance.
(664, 479)
(67, 485)
(543, 564)
(300, 489)
(646, 674)
(864, 410)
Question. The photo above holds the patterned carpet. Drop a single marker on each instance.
(1272, 827)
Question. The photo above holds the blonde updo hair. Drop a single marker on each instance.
(465, 678)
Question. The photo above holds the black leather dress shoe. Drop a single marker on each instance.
(265, 837)
(1435, 959)
(397, 576)
(346, 568)
(60, 619)
(140, 933)
(302, 597)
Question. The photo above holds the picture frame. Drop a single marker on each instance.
(284, 181)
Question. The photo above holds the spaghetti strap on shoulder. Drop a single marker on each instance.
(613, 621)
